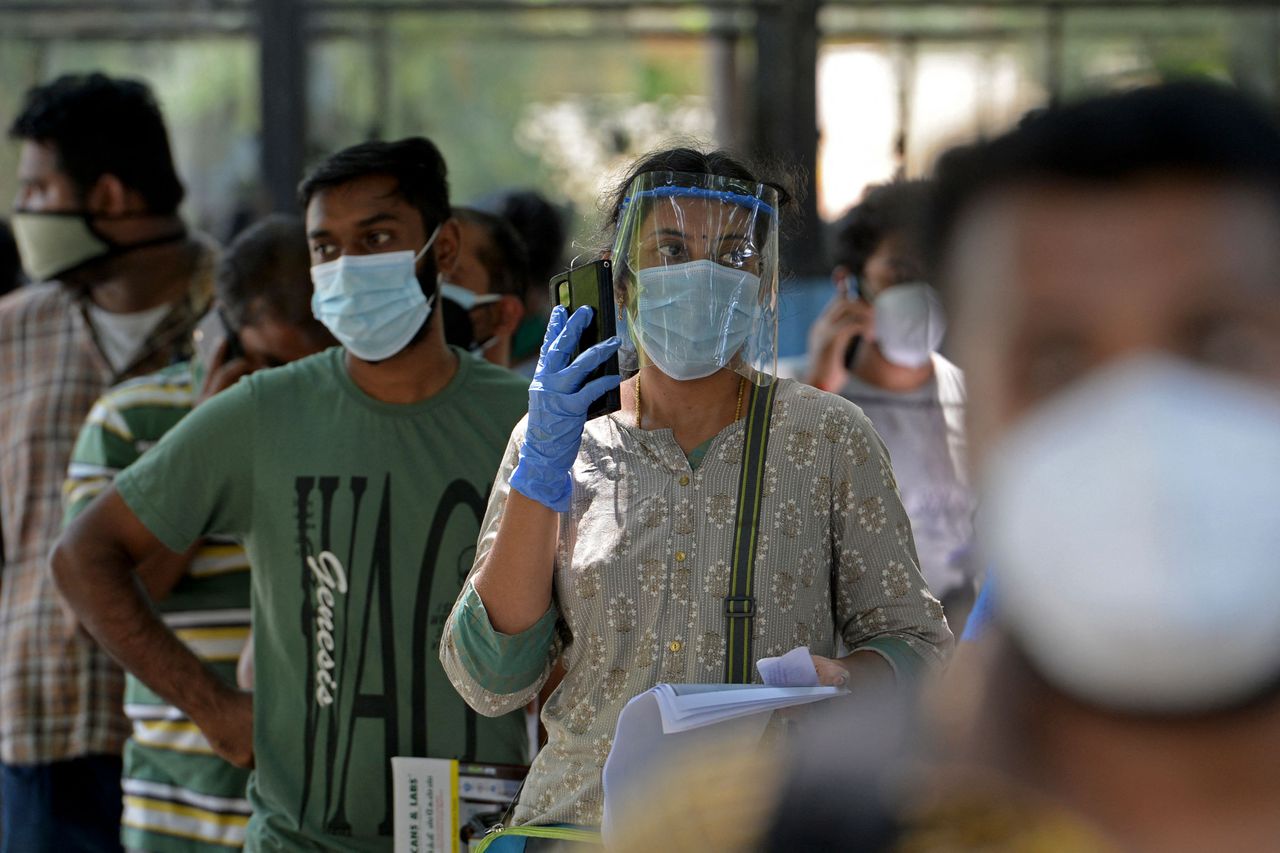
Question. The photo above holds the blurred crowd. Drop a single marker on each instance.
(358, 485)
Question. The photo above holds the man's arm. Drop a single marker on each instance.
(95, 566)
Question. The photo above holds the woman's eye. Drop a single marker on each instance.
(379, 238)
(671, 250)
(322, 251)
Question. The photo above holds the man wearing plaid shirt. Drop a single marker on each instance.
(121, 285)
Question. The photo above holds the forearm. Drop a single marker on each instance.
(515, 580)
(161, 570)
(866, 669)
(99, 582)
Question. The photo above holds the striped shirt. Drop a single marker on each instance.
(178, 795)
(60, 694)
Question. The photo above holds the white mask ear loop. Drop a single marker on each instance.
(430, 241)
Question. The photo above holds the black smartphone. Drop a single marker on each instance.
(592, 284)
(235, 349)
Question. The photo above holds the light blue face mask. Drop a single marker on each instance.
(373, 304)
(691, 319)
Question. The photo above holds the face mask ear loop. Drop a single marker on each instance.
(430, 240)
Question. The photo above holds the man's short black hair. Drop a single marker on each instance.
(503, 255)
(99, 125)
(266, 270)
(415, 164)
(1196, 129)
(885, 209)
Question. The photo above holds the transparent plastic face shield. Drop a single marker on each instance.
(696, 276)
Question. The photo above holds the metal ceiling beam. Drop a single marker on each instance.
(53, 9)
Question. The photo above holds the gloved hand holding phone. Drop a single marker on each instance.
(558, 404)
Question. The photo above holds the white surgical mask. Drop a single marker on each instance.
(373, 304)
(1132, 523)
(909, 323)
(691, 319)
(466, 299)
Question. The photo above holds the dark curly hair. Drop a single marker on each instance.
(898, 207)
(99, 125)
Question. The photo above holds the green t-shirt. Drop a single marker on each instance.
(360, 519)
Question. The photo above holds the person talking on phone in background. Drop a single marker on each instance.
(876, 345)
(262, 318)
(608, 543)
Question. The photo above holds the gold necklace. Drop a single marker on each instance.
(737, 412)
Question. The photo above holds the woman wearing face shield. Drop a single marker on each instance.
(609, 544)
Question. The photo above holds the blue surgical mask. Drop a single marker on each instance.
(691, 319)
(373, 304)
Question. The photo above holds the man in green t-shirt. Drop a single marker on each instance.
(356, 480)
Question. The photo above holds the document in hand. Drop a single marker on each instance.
(672, 719)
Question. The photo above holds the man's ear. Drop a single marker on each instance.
(447, 246)
(510, 313)
(110, 197)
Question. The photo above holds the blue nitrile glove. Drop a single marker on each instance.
(558, 403)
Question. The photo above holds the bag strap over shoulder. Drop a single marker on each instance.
(740, 605)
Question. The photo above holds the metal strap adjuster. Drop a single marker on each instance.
(740, 606)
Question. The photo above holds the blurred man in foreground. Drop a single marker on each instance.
(1115, 265)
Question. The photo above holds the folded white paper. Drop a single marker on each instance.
(794, 669)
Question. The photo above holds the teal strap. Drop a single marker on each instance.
(740, 605)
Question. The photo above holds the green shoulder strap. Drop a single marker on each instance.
(740, 605)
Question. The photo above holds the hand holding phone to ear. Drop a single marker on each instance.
(224, 370)
(847, 316)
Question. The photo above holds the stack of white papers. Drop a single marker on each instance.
(692, 706)
(671, 719)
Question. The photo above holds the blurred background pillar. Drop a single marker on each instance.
(726, 93)
(785, 116)
(283, 85)
(1253, 55)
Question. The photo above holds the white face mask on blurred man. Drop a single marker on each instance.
(909, 323)
(1132, 524)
